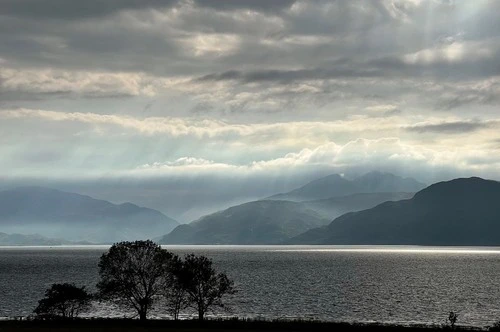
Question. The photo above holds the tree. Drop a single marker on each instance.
(204, 287)
(175, 295)
(176, 299)
(452, 318)
(65, 301)
(133, 274)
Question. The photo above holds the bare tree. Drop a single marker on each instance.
(133, 274)
(65, 301)
(205, 288)
(175, 296)
(176, 299)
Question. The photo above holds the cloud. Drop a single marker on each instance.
(258, 135)
(290, 75)
(358, 153)
(454, 127)
(257, 5)
(68, 10)
(244, 87)
(80, 83)
(355, 157)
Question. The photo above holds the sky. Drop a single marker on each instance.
(190, 105)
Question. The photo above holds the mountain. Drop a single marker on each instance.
(337, 206)
(259, 222)
(457, 212)
(336, 186)
(57, 214)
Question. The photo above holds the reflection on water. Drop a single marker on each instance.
(348, 283)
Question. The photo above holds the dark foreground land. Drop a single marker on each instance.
(111, 325)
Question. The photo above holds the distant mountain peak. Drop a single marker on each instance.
(336, 185)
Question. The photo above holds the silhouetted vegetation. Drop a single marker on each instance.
(452, 318)
(64, 301)
(140, 275)
(494, 327)
(133, 274)
(110, 325)
(204, 287)
(176, 297)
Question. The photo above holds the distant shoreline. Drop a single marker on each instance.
(291, 247)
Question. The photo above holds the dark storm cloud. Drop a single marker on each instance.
(70, 10)
(456, 127)
(257, 5)
(383, 67)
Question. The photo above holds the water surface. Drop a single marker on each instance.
(344, 283)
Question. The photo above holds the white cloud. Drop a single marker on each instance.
(384, 153)
(452, 53)
(209, 128)
(90, 84)
(211, 44)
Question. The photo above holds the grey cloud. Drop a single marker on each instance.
(257, 5)
(290, 75)
(70, 10)
(387, 67)
(456, 127)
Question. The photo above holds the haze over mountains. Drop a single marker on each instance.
(336, 206)
(458, 212)
(260, 222)
(73, 217)
(34, 240)
(276, 220)
(335, 186)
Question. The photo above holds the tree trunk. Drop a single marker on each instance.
(143, 315)
(201, 314)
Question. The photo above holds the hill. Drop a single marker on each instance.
(259, 222)
(457, 212)
(57, 214)
(336, 186)
(336, 206)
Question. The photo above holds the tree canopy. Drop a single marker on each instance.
(65, 301)
(134, 274)
(205, 288)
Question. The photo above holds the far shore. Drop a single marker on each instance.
(290, 247)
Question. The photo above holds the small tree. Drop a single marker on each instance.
(175, 295)
(204, 287)
(133, 274)
(65, 301)
(176, 299)
(452, 318)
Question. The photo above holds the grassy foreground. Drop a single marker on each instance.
(230, 325)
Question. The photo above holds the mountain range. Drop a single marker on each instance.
(336, 185)
(259, 222)
(73, 217)
(458, 212)
(273, 221)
